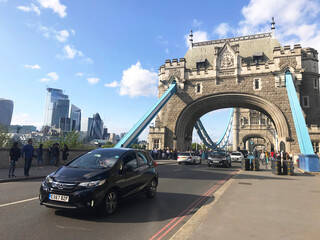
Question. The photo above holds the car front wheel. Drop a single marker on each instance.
(151, 193)
(111, 202)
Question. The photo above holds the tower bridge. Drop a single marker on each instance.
(245, 72)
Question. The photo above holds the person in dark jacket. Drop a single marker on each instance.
(65, 153)
(27, 154)
(39, 156)
(56, 153)
(15, 154)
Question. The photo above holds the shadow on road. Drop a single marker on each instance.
(140, 209)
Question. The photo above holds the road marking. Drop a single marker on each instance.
(176, 170)
(189, 209)
(73, 228)
(22, 201)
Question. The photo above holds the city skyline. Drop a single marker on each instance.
(107, 61)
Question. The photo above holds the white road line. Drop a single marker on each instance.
(22, 201)
(177, 170)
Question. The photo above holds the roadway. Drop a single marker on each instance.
(182, 190)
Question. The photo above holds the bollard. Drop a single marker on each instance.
(255, 164)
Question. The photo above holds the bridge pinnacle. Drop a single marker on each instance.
(191, 39)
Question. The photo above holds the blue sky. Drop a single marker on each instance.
(106, 54)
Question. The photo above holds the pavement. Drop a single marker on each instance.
(259, 205)
(251, 205)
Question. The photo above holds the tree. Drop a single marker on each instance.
(5, 139)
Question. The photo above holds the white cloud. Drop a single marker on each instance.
(52, 76)
(70, 52)
(32, 8)
(62, 35)
(112, 85)
(222, 30)
(79, 74)
(137, 81)
(93, 80)
(36, 66)
(55, 5)
(24, 119)
(89, 60)
(196, 23)
(198, 36)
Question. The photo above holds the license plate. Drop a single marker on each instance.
(60, 198)
(215, 161)
(182, 157)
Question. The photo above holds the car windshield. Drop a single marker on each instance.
(96, 160)
(217, 153)
(185, 154)
(236, 154)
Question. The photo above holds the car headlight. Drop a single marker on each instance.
(49, 179)
(224, 158)
(92, 183)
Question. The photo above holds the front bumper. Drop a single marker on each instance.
(78, 199)
(216, 162)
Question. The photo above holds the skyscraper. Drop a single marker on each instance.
(75, 116)
(57, 106)
(6, 109)
(95, 130)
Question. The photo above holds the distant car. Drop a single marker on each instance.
(217, 158)
(236, 156)
(100, 179)
(188, 157)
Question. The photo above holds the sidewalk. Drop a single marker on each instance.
(259, 205)
(45, 170)
(19, 172)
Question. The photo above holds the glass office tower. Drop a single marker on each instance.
(57, 106)
(95, 130)
(75, 116)
(6, 110)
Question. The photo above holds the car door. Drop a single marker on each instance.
(127, 178)
(143, 171)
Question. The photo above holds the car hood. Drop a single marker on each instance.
(70, 174)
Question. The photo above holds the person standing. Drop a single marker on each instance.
(39, 156)
(27, 154)
(56, 153)
(15, 154)
(65, 153)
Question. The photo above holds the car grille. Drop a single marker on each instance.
(62, 186)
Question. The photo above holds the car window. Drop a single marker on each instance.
(142, 159)
(236, 154)
(147, 156)
(184, 154)
(95, 159)
(130, 159)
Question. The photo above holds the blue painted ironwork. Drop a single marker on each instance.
(205, 138)
(298, 118)
(308, 160)
(137, 129)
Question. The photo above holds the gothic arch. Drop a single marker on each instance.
(193, 111)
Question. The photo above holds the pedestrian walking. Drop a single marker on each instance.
(39, 153)
(65, 153)
(15, 154)
(27, 154)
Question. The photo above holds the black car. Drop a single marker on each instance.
(99, 179)
(219, 158)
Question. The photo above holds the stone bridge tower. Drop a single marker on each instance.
(241, 72)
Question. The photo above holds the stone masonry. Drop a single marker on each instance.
(241, 72)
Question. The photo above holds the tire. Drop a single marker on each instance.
(209, 165)
(110, 202)
(152, 189)
(200, 161)
(194, 162)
